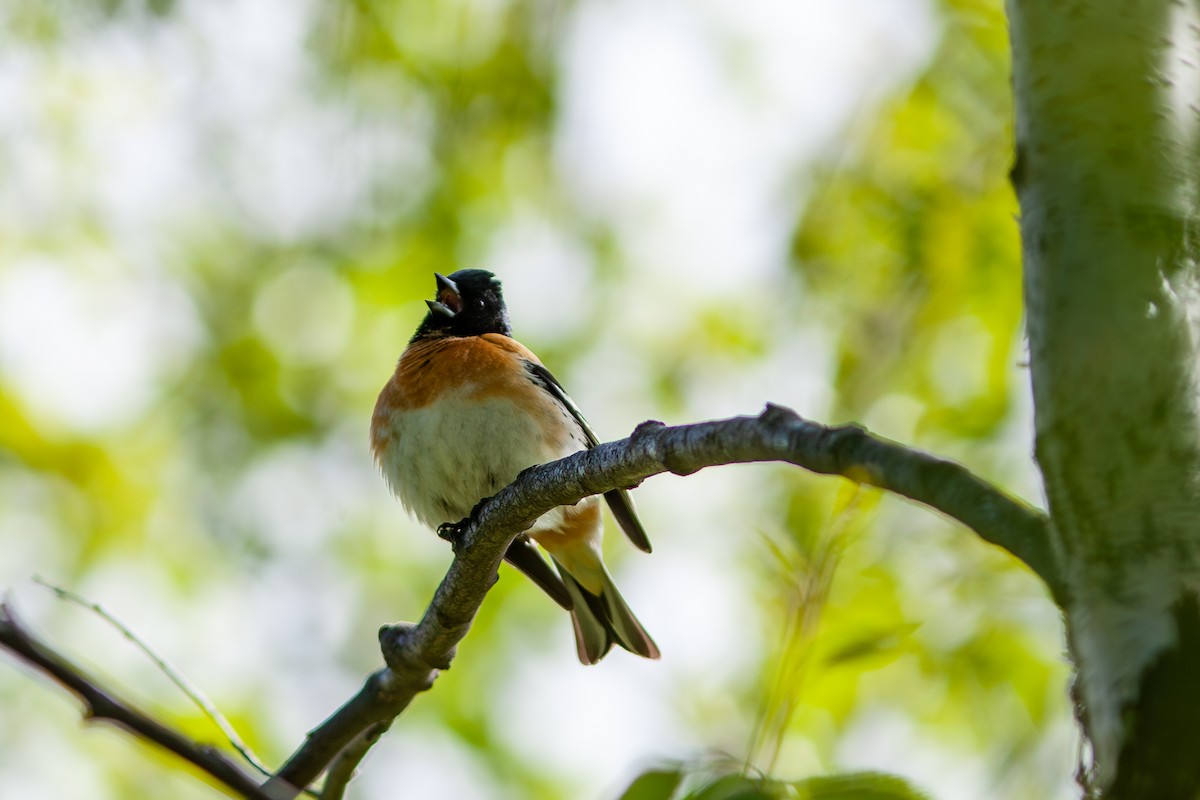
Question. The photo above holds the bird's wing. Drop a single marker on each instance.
(525, 557)
(618, 500)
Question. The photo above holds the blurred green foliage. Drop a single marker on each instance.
(672, 784)
(232, 515)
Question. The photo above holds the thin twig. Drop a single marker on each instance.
(176, 677)
(340, 772)
(99, 704)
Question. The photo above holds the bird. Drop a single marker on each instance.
(467, 408)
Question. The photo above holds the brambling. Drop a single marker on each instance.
(467, 409)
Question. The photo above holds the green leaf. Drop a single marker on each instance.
(656, 784)
(879, 647)
(740, 787)
(857, 786)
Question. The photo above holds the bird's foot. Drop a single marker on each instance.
(474, 516)
(454, 532)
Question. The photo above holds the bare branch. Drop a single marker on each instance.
(190, 690)
(342, 769)
(101, 705)
(416, 653)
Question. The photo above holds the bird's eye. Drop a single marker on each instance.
(478, 303)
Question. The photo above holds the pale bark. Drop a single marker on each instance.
(1106, 122)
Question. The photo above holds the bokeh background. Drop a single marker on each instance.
(218, 222)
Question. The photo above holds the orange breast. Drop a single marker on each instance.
(484, 366)
(428, 369)
(461, 417)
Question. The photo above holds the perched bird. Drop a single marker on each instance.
(466, 410)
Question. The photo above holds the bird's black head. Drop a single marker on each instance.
(469, 303)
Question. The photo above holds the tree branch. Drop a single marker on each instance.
(190, 690)
(342, 769)
(416, 653)
(101, 705)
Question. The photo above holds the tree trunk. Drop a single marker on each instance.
(1107, 99)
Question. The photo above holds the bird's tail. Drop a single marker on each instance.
(604, 620)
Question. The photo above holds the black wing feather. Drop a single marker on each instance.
(619, 501)
(525, 557)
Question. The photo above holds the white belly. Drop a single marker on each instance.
(443, 459)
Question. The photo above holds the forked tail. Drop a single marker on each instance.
(604, 620)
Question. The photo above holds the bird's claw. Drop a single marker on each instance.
(478, 507)
(453, 532)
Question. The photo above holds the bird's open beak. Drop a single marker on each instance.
(448, 302)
